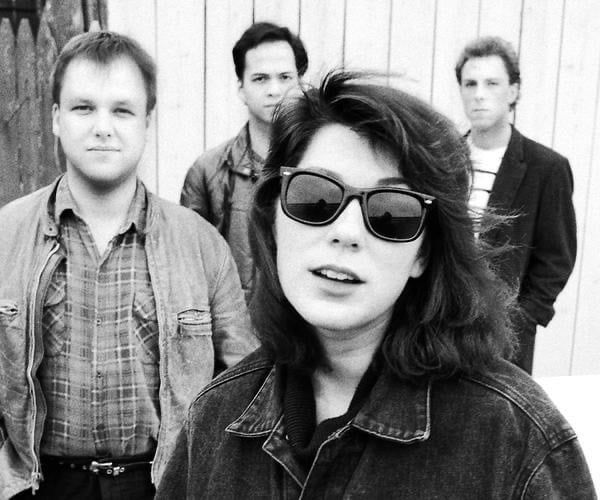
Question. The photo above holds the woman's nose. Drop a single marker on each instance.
(349, 228)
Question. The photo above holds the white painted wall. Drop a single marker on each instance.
(416, 42)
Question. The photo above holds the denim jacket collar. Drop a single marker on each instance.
(393, 411)
(50, 222)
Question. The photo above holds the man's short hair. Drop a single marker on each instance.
(491, 46)
(260, 33)
(103, 47)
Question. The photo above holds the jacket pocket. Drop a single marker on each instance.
(13, 343)
(191, 352)
(8, 311)
(194, 322)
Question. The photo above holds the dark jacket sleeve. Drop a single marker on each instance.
(173, 483)
(554, 244)
(563, 473)
(195, 192)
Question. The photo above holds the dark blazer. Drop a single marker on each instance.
(536, 183)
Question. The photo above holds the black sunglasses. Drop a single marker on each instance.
(390, 213)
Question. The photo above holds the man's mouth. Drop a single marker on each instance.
(102, 148)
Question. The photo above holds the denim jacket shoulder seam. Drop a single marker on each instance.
(535, 469)
(508, 396)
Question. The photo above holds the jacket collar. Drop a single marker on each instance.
(50, 222)
(395, 410)
(241, 157)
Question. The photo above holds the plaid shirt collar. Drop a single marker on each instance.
(136, 214)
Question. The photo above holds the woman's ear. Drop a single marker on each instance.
(421, 260)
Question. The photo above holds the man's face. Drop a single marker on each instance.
(270, 72)
(486, 92)
(102, 121)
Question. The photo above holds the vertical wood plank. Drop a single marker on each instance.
(586, 349)
(9, 166)
(573, 137)
(367, 35)
(225, 113)
(28, 112)
(66, 19)
(501, 19)
(46, 53)
(411, 46)
(286, 13)
(456, 24)
(322, 32)
(539, 60)
(180, 57)
(137, 19)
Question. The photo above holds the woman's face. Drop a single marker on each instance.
(340, 277)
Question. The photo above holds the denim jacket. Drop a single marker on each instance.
(494, 436)
(203, 322)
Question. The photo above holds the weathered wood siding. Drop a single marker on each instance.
(416, 42)
(29, 155)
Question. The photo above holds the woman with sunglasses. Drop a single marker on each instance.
(382, 327)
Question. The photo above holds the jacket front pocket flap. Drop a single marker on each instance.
(194, 317)
(8, 307)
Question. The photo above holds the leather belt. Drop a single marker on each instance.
(105, 467)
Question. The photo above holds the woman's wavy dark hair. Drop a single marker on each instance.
(455, 316)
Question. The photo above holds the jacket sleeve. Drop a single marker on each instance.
(233, 336)
(174, 481)
(554, 245)
(562, 474)
(195, 193)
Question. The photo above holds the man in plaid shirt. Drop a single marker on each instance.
(116, 307)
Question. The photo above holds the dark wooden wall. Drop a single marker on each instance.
(29, 156)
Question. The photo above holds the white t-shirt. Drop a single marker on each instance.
(486, 163)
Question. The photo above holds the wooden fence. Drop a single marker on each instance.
(29, 155)
(416, 42)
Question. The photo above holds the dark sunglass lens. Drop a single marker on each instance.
(311, 198)
(394, 215)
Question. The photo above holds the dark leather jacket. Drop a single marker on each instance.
(493, 436)
(219, 186)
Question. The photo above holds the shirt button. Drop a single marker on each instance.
(98, 321)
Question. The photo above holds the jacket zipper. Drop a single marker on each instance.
(36, 475)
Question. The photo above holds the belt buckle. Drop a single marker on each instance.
(106, 468)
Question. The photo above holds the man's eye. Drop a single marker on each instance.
(82, 108)
(123, 111)
(259, 79)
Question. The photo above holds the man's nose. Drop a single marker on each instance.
(274, 87)
(479, 91)
(103, 123)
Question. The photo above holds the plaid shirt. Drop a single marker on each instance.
(100, 373)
